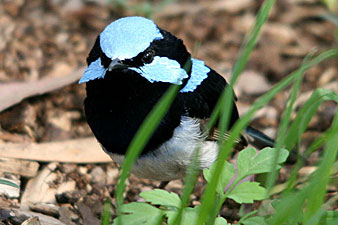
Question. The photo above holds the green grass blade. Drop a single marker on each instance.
(322, 175)
(141, 138)
(190, 180)
(247, 47)
(292, 203)
(9, 183)
(333, 18)
(306, 113)
(314, 220)
(299, 125)
(106, 212)
(289, 208)
(285, 121)
(303, 118)
(208, 197)
(251, 40)
(329, 218)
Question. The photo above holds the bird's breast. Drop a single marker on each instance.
(171, 159)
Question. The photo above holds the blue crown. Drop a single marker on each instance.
(125, 38)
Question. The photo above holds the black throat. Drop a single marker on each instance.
(117, 105)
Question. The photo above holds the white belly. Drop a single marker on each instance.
(171, 159)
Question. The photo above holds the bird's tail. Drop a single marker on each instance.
(257, 138)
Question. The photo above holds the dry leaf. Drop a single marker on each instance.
(14, 92)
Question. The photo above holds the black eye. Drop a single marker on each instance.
(148, 56)
(105, 61)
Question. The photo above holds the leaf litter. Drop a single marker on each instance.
(41, 102)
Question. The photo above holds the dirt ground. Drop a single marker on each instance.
(46, 146)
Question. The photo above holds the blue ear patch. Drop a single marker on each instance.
(94, 71)
(199, 72)
(162, 69)
(125, 38)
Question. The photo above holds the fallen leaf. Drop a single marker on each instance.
(84, 150)
(14, 92)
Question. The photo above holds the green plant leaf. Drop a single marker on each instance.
(139, 213)
(255, 220)
(221, 221)
(247, 192)
(226, 175)
(249, 162)
(161, 197)
(189, 216)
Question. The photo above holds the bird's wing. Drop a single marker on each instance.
(201, 102)
(214, 134)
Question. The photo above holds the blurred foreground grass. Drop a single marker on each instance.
(307, 204)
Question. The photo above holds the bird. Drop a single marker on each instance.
(131, 65)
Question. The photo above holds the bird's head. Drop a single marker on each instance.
(137, 44)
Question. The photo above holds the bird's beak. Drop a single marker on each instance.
(116, 64)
